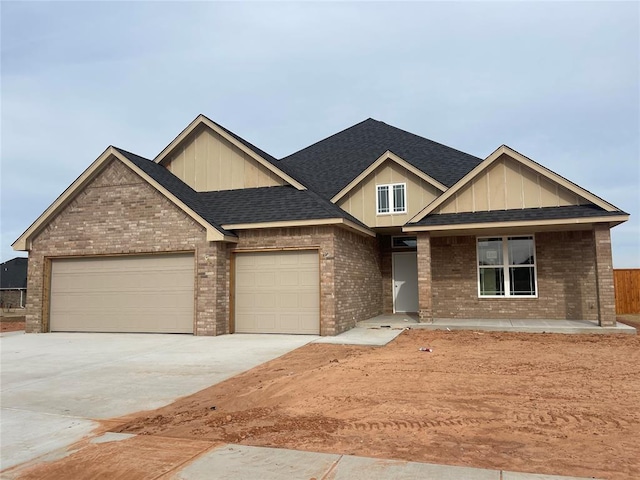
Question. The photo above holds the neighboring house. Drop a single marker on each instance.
(216, 236)
(13, 283)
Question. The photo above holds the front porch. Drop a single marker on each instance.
(401, 320)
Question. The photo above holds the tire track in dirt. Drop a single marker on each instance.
(574, 421)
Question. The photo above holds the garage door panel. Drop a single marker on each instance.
(153, 293)
(277, 292)
(265, 279)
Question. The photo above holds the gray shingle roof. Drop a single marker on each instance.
(269, 204)
(13, 273)
(526, 214)
(329, 165)
(251, 205)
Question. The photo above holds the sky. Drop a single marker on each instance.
(558, 82)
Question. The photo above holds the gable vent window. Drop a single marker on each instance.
(391, 198)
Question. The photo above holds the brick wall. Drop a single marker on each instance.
(604, 274)
(358, 279)
(425, 277)
(386, 268)
(119, 213)
(566, 280)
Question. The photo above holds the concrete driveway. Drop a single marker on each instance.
(55, 385)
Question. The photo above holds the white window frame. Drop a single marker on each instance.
(505, 266)
(390, 199)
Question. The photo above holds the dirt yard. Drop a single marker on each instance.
(12, 323)
(545, 403)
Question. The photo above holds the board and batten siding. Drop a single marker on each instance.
(508, 185)
(361, 201)
(207, 162)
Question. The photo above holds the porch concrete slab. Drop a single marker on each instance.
(55, 384)
(372, 336)
(500, 325)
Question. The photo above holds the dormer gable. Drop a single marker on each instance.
(360, 197)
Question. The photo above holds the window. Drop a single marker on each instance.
(391, 198)
(404, 242)
(507, 267)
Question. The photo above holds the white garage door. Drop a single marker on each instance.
(277, 292)
(145, 294)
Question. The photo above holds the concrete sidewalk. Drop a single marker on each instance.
(244, 462)
(147, 457)
(495, 325)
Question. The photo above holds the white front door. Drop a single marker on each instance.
(405, 282)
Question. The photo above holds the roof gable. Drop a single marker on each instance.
(224, 145)
(330, 165)
(361, 199)
(175, 192)
(388, 155)
(533, 186)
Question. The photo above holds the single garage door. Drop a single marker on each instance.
(277, 292)
(142, 294)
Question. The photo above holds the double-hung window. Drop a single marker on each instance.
(391, 198)
(507, 267)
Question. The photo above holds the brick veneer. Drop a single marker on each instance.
(386, 253)
(425, 273)
(566, 270)
(119, 213)
(604, 275)
(358, 279)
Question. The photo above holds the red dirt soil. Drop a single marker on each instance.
(543, 403)
(10, 324)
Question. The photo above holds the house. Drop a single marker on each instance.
(216, 236)
(13, 283)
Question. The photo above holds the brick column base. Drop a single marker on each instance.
(604, 276)
(425, 299)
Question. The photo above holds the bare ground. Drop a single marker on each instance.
(544, 403)
(12, 323)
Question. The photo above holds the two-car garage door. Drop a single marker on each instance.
(149, 293)
(277, 292)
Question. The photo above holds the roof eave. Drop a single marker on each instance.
(612, 220)
(301, 223)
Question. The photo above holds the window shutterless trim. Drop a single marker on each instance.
(506, 266)
(391, 198)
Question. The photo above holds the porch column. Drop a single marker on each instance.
(425, 299)
(604, 276)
